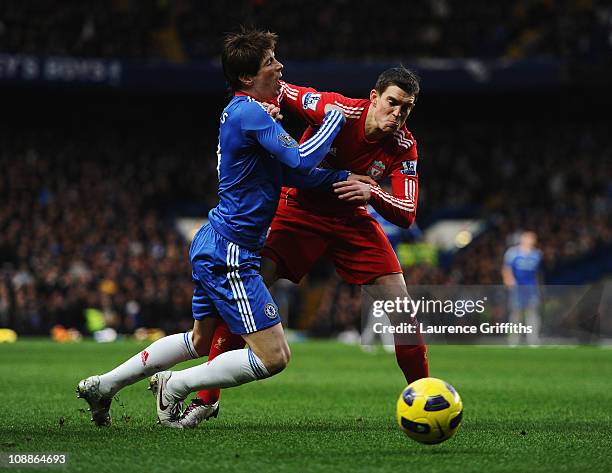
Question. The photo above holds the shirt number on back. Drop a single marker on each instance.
(219, 160)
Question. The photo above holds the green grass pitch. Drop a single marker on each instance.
(526, 410)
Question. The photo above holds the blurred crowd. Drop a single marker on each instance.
(552, 178)
(184, 30)
(88, 221)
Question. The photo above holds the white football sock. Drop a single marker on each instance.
(532, 319)
(160, 355)
(231, 368)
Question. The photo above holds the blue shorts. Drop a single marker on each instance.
(227, 283)
(524, 297)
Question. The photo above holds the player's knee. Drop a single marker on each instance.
(277, 360)
(286, 356)
(394, 281)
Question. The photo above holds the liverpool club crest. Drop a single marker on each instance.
(376, 170)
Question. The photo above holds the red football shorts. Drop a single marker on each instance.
(355, 243)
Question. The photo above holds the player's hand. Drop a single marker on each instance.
(354, 192)
(329, 107)
(362, 178)
(273, 110)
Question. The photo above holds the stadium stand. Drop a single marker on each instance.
(89, 204)
(184, 30)
(87, 220)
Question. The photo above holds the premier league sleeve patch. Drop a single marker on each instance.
(409, 168)
(310, 101)
(287, 141)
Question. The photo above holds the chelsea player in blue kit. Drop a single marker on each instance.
(256, 157)
(520, 274)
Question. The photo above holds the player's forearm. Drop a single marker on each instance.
(317, 178)
(310, 153)
(398, 211)
(302, 158)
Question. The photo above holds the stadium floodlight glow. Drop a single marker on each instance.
(463, 239)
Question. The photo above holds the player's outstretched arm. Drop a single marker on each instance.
(321, 178)
(398, 208)
(310, 104)
(317, 178)
(273, 137)
(305, 102)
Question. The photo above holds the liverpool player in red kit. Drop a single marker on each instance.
(312, 224)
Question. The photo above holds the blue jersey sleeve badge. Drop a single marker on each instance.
(287, 141)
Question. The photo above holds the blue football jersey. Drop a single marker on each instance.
(524, 264)
(256, 157)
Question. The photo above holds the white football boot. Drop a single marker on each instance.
(99, 405)
(169, 408)
(198, 412)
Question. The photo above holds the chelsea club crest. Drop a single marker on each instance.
(271, 311)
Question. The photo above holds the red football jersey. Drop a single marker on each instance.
(395, 156)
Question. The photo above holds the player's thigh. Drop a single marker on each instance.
(204, 261)
(362, 253)
(245, 303)
(239, 292)
(205, 316)
(228, 284)
(296, 241)
(202, 305)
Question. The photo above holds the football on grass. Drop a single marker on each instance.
(429, 410)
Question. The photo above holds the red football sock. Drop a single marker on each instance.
(412, 360)
(223, 340)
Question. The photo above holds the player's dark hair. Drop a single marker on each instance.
(400, 76)
(243, 52)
